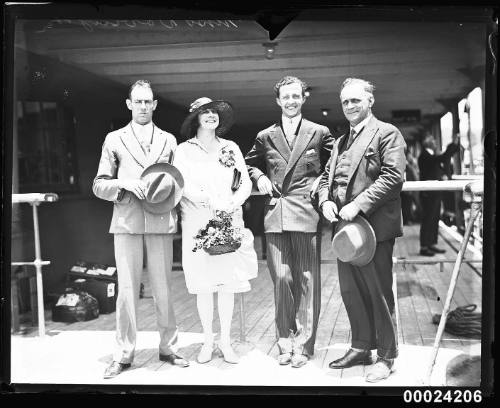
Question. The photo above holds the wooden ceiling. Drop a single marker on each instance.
(414, 65)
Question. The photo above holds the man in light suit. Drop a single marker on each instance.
(138, 234)
(364, 176)
(283, 163)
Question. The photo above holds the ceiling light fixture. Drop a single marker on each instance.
(270, 49)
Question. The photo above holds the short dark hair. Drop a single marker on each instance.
(367, 85)
(287, 80)
(141, 82)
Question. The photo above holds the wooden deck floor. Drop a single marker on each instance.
(421, 292)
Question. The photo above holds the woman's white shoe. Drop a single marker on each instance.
(205, 354)
(228, 354)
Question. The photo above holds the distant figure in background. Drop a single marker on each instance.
(410, 204)
(431, 166)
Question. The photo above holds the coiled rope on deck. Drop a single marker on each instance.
(462, 321)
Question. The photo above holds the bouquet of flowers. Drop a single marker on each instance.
(219, 236)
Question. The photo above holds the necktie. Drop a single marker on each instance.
(290, 129)
(144, 139)
(287, 125)
(351, 138)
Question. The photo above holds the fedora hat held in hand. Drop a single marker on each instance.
(354, 241)
(164, 187)
(223, 109)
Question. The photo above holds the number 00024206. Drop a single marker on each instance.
(437, 396)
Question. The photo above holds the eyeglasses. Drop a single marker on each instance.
(147, 102)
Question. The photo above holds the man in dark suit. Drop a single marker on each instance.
(283, 163)
(138, 233)
(431, 166)
(364, 176)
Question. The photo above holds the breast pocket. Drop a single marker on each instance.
(311, 163)
(372, 160)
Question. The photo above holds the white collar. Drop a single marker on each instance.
(195, 141)
(286, 121)
(138, 129)
(359, 127)
(430, 151)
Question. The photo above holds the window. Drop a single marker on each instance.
(46, 154)
(463, 127)
(475, 100)
(446, 130)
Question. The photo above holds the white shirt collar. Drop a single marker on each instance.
(359, 127)
(430, 151)
(286, 121)
(139, 129)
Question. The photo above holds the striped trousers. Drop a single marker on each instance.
(293, 259)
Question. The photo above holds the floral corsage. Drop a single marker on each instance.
(219, 236)
(226, 157)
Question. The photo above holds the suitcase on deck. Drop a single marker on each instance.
(75, 306)
(103, 290)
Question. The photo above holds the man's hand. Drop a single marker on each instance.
(138, 187)
(264, 185)
(329, 210)
(349, 211)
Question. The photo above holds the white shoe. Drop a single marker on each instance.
(228, 354)
(206, 353)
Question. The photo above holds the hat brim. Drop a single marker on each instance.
(224, 110)
(173, 199)
(370, 246)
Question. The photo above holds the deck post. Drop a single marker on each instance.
(38, 267)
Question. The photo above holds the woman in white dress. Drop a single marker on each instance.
(207, 163)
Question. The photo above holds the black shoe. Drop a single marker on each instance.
(437, 250)
(114, 369)
(174, 359)
(426, 252)
(352, 358)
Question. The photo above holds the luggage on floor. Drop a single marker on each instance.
(75, 306)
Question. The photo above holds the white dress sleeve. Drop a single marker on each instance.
(191, 190)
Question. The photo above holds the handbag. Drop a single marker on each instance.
(236, 180)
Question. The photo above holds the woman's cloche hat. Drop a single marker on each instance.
(223, 109)
(164, 187)
(354, 241)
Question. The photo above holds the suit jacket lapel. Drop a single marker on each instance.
(335, 154)
(132, 145)
(361, 143)
(303, 138)
(278, 138)
(158, 145)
